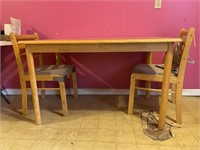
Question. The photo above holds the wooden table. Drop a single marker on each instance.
(113, 45)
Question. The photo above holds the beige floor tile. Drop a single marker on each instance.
(12, 115)
(42, 145)
(49, 134)
(105, 146)
(89, 124)
(32, 133)
(136, 121)
(137, 126)
(27, 124)
(22, 145)
(197, 136)
(86, 135)
(181, 130)
(13, 133)
(66, 135)
(187, 140)
(94, 123)
(193, 128)
(124, 125)
(170, 147)
(62, 145)
(74, 116)
(189, 148)
(111, 115)
(54, 123)
(77, 112)
(5, 144)
(148, 147)
(192, 109)
(4, 129)
(51, 114)
(170, 142)
(84, 146)
(190, 119)
(120, 115)
(196, 115)
(91, 114)
(107, 124)
(126, 147)
(125, 136)
(72, 123)
(106, 136)
(142, 139)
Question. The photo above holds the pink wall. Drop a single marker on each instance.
(106, 18)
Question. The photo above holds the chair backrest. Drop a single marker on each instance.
(187, 37)
(19, 51)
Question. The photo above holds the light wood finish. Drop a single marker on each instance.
(148, 84)
(99, 45)
(175, 79)
(19, 50)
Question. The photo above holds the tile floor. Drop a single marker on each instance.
(94, 123)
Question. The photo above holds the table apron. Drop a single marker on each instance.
(105, 47)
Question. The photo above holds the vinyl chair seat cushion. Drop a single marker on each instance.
(58, 70)
(153, 69)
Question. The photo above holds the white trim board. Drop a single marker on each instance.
(85, 91)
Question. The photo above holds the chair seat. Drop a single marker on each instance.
(154, 69)
(61, 72)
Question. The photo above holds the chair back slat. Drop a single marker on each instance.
(187, 37)
(20, 53)
(26, 37)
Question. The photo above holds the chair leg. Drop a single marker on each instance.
(173, 95)
(58, 59)
(24, 98)
(63, 98)
(131, 96)
(178, 104)
(75, 85)
(136, 90)
(43, 91)
(147, 93)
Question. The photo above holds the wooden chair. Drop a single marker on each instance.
(152, 72)
(57, 72)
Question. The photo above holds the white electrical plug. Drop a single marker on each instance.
(158, 4)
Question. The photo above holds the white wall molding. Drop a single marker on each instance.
(85, 91)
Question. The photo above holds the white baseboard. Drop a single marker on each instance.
(186, 92)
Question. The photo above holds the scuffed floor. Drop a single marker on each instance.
(94, 123)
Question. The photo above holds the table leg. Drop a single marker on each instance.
(148, 83)
(165, 86)
(33, 84)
